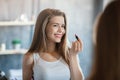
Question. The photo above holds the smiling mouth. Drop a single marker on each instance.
(58, 35)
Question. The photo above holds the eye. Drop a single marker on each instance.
(55, 25)
(63, 26)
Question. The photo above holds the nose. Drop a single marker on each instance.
(60, 29)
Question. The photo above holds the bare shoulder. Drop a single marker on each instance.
(27, 66)
(28, 58)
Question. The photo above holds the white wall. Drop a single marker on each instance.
(106, 2)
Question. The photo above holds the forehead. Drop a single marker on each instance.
(57, 19)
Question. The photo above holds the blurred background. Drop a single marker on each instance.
(17, 19)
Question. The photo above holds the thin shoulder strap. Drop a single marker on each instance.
(35, 57)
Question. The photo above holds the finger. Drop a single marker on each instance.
(72, 46)
(81, 44)
(76, 46)
(78, 39)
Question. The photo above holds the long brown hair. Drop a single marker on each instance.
(107, 48)
(39, 38)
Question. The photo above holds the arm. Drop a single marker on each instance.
(27, 66)
(76, 72)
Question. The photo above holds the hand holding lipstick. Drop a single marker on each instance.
(76, 72)
(76, 46)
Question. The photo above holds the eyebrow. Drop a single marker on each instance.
(57, 23)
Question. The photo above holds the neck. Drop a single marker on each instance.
(51, 50)
(51, 47)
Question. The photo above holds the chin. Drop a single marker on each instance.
(58, 41)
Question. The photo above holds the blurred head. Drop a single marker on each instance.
(107, 54)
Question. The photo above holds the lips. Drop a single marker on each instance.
(58, 35)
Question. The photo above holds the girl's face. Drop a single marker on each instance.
(55, 29)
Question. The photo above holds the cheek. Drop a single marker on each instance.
(49, 33)
(64, 31)
(49, 30)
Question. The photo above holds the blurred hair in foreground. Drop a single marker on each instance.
(107, 48)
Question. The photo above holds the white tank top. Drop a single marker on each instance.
(44, 70)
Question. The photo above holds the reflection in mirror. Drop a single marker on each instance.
(17, 20)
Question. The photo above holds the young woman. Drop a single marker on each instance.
(49, 57)
(107, 45)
